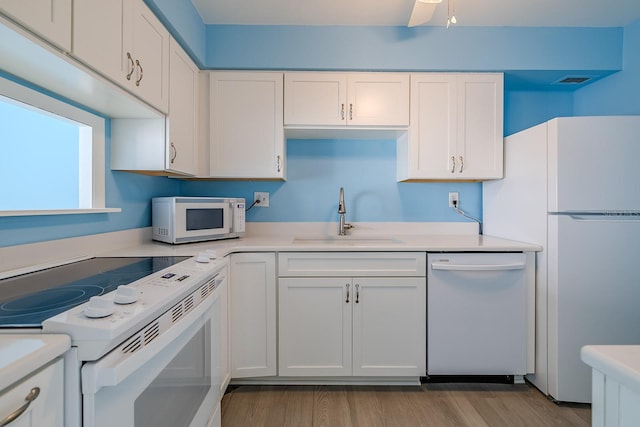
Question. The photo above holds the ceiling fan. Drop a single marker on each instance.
(423, 10)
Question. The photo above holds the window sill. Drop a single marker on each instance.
(59, 212)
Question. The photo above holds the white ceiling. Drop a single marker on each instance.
(510, 13)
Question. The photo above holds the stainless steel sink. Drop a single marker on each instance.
(346, 240)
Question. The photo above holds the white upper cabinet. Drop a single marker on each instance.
(50, 19)
(327, 99)
(124, 40)
(456, 130)
(183, 112)
(245, 126)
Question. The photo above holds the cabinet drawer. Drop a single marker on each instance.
(332, 264)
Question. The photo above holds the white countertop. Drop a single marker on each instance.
(379, 243)
(22, 354)
(620, 362)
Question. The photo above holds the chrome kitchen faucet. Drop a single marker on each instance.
(342, 227)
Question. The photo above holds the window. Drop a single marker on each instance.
(53, 155)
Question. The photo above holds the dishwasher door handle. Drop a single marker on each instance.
(477, 267)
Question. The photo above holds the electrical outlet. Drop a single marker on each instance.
(454, 199)
(263, 198)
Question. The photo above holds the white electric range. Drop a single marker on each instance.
(143, 332)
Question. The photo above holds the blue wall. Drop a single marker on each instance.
(532, 58)
(618, 94)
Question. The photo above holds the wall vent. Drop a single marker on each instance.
(576, 80)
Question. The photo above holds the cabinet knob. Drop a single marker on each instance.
(132, 66)
(453, 164)
(347, 301)
(173, 152)
(278, 164)
(357, 293)
(461, 164)
(350, 111)
(342, 112)
(141, 72)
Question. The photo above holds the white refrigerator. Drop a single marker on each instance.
(572, 185)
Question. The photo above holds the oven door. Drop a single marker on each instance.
(194, 221)
(172, 381)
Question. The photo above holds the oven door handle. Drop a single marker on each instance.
(115, 367)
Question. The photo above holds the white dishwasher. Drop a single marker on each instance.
(476, 314)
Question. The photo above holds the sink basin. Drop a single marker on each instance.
(346, 240)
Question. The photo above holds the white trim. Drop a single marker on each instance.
(92, 156)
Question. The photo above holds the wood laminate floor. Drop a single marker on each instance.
(438, 405)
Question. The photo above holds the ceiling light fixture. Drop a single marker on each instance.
(430, 1)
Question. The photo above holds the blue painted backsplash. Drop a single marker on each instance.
(316, 169)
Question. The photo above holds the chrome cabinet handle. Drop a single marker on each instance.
(33, 394)
(461, 164)
(342, 112)
(453, 164)
(173, 152)
(357, 293)
(132, 66)
(347, 301)
(278, 164)
(141, 72)
(350, 111)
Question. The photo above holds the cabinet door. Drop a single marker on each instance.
(378, 99)
(151, 56)
(47, 409)
(246, 128)
(389, 326)
(480, 126)
(315, 99)
(315, 326)
(50, 19)
(183, 91)
(99, 35)
(253, 315)
(456, 127)
(432, 135)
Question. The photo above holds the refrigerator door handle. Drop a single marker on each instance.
(476, 267)
(610, 216)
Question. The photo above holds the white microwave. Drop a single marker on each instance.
(195, 219)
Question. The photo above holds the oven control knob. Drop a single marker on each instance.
(126, 295)
(211, 253)
(202, 257)
(99, 307)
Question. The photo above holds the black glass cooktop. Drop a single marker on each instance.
(27, 300)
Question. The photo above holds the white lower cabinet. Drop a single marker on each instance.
(46, 408)
(352, 326)
(253, 315)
